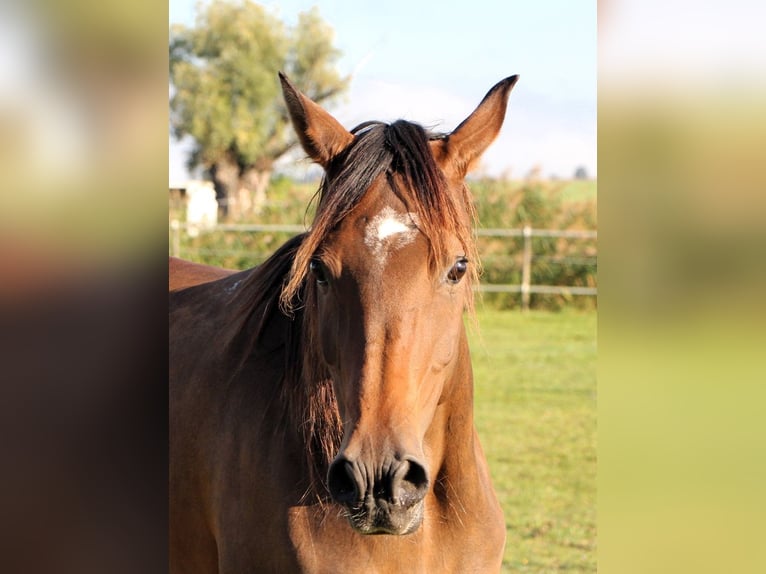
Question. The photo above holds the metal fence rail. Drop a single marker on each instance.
(525, 288)
(573, 234)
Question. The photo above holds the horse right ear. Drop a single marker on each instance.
(459, 152)
(321, 135)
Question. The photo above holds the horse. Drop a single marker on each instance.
(321, 404)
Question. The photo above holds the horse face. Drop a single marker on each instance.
(390, 329)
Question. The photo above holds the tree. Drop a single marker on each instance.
(227, 96)
(581, 173)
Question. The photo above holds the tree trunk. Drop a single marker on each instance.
(225, 175)
(254, 182)
(240, 193)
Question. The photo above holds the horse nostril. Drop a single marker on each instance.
(410, 486)
(416, 475)
(341, 482)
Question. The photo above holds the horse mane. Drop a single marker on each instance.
(401, 152)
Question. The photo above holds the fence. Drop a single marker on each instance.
(525, 287)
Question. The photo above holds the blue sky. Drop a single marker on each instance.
(432, 62)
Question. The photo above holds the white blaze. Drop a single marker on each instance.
(390, 229)
(390, 226)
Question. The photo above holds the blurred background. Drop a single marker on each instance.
(83, 397)
(682, 127)
(84, 122)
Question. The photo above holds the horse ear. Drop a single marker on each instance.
(320, 134)
(463, 147)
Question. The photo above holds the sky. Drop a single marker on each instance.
(670, 43)
(432, 63)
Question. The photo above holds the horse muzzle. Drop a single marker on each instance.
(385, 498)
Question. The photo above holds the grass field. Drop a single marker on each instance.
(535, 391)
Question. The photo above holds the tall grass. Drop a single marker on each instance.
(556, 261)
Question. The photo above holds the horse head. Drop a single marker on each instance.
(385, 273)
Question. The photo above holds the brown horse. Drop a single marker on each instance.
(321, 405)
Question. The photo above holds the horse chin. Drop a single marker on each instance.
(397, 522)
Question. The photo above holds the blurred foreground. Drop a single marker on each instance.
(83, 402)
(682, 274)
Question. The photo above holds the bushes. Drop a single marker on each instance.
(555, 261)
(499, 203)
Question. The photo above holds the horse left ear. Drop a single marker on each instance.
(459, 152)
(320, 134)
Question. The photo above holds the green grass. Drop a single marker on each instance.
(535, 391)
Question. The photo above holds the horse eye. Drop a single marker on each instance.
(458, 270)
(319, 272)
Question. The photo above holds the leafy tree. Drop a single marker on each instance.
(227, 95)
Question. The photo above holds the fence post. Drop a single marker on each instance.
(175, 245)
(526, 267)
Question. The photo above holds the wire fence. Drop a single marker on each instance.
(496, 260)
